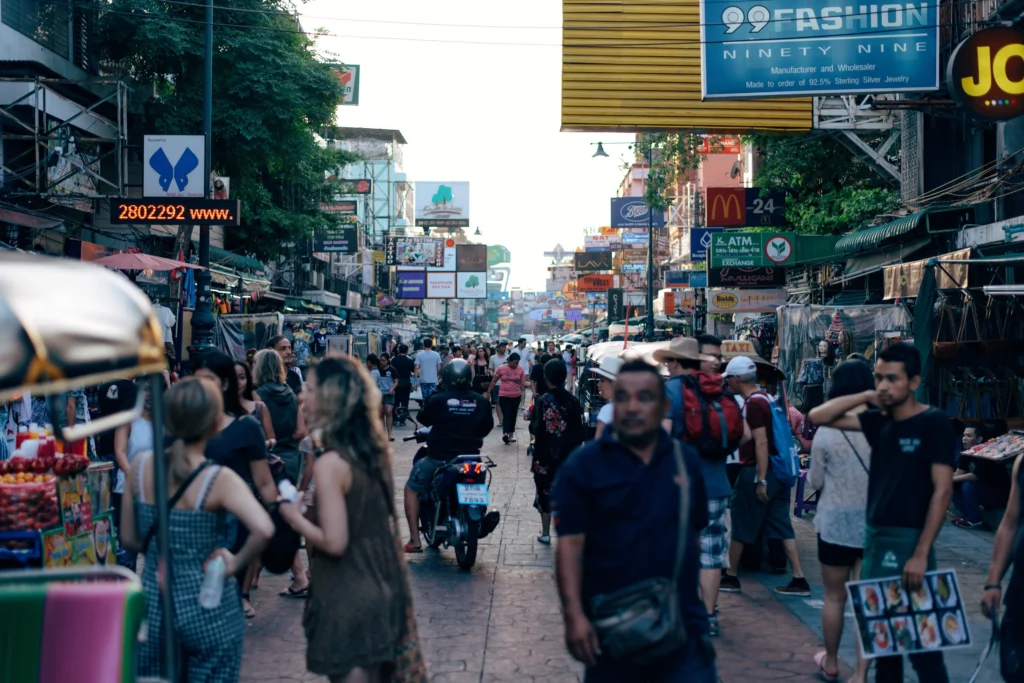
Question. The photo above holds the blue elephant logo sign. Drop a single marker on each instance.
(187, 162)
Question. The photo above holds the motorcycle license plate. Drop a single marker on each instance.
(472, 494)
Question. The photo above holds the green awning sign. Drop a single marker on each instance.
(752, 249)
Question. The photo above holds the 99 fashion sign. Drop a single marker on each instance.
(986, 74)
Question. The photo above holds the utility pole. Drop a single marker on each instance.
(649, 336)
(202, 317)
(444, 326)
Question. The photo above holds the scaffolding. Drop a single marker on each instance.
(56, 147)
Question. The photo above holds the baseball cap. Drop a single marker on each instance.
(739, 366)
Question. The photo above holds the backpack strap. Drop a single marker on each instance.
(684, 507)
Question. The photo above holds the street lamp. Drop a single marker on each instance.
(650, 235)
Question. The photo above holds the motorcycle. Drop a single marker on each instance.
(454, 513)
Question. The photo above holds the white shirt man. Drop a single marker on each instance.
(525, 355)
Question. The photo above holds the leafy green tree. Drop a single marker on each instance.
(833, 191)
(270, 92)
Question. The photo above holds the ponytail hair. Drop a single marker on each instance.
(194, 407)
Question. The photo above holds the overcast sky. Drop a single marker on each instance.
(485, 113)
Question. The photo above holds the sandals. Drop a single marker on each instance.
(819, 659)
(249, 612)
(292, 593)
(410, 548)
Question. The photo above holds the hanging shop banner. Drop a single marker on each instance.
(441, 285)
(716, 144)
(471, 257)
(752, 249)
(442, 204)
(904, 280)
(632, 212)
(336, 240)
(746, 278)
(745, 300)
(616, 304)
(737, 207)
(471, 285)
(348, 80)
(595, 283)
(173, 166)
(753, 49)
(415, 251)
(891, 620)
(592, 261)
(634, 238)
(982, 76)
(411, 284)
(635, 255)
(700, 242)
(677, 278)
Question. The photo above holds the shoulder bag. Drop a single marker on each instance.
(643, 623)
(854, 449)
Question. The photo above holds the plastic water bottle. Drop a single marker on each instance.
(213, 584)
(288, 492)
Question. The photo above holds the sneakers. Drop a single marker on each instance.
(965, 524)
(729, 584)
(504, 437)
(795, 587)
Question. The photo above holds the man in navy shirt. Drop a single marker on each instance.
(616, 510)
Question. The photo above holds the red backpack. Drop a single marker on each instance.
(712, 421)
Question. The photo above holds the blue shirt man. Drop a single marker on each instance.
(616, 510)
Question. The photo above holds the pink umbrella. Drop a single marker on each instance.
(138, 261)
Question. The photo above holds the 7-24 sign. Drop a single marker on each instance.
(737, 207)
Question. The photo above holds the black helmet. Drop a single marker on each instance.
(457, 374)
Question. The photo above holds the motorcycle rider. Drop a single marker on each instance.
(459, 419)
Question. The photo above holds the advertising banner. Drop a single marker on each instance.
(440, 285)
(498, 254)
(903, 280)
(411, 284)
(716, 144)
(745, 300)
(700, 242)
(698, 278)
(350, 186)
(632, 212)
(343, 207)
(595, 283)
(471, 285)
(746, 277)
(735, 207)
(604, 241)
(414, 251)
(348, 79)
(677, 278)
(634, 267)
(336, 240)
(616, 304)
(592, 261)
(560, 273)
(635, 255)
(893, 621)
(987, 52)
(755, 49)
(633, 238)
(471, 257)
(442, 204)
(173, 166)
(752, 249)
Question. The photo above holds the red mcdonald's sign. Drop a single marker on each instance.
(726, 207)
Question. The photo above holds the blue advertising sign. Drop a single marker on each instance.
(677, 278)
(631, 212)
(411, 284)
(633, 238)
(698, 278)
(752, 48)
(700, 242)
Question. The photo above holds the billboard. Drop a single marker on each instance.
(350, 186)
(745, 300)
(677, 278)
(746, 277)
(739, 207)
(632, 212)
(750, 48)
(700, 242)
(414, 251)
(980, 78)
(471, 285)
(593, 260)
(173, 166)
(634, 238)
(595, 283)
(348, 79)
(471, 257)
(331, 240)
(752, 249)
(411, 284)
(441, 285)
(442, 204)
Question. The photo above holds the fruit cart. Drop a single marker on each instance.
(64, 325)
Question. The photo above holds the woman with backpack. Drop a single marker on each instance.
(557, 427)
(840, 462)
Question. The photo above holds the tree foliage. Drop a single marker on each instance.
(833, 192)
(672, 154)
(269, 92)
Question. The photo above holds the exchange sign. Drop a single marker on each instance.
(752, 48)
(986, 74)
(752, 249)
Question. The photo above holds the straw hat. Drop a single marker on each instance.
(682, 348)
(609, 367)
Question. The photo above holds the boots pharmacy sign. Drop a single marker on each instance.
(986, 74)
(632, 212)
(754, 48)
(752, 249)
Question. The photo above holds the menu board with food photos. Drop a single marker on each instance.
(891, 621)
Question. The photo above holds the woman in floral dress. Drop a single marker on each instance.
(557, 426)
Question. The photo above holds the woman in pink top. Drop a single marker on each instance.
(510, 392)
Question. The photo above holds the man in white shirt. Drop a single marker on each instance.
(525, 355)
(497, 360)
(427, 365)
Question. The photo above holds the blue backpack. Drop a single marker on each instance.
(786, 463)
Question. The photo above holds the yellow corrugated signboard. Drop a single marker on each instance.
(634, 65)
